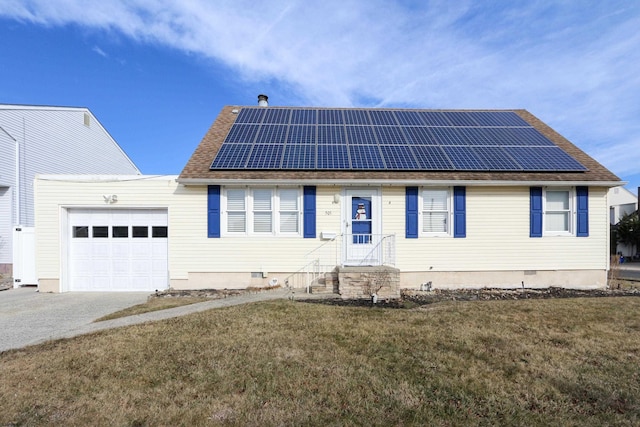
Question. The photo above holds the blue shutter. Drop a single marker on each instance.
(582, 194)
(411, 213)
(309, 211)
(459, 212)
(213, 211)
(535, 217)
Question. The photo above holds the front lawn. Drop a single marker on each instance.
(565, 362)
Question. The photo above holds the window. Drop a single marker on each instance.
(139, 231)
(289, 210)
(262, 211)
(159, 231)
(100, 231)
(80, 231)
(557, 211)
(236, 211)
(436, 211)
(119, 231)
(265, 211)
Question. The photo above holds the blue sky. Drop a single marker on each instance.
(156, 73)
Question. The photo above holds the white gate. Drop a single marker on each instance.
(24, 256)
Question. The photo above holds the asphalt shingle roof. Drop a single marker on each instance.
(198, 169)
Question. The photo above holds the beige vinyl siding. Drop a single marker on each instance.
(498, 236)
(192, 251)
(497, 231)
(54, 196)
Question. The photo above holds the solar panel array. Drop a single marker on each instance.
(360, 139)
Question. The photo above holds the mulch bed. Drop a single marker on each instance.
(412, 298)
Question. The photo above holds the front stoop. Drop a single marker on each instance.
(326, 285)
(362, 282)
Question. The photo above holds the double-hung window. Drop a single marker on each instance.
(558, 211)
(289, 210)
(236, 211)
(436, 211)
(262, 211)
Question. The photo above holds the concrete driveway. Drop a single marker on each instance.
(30, 317)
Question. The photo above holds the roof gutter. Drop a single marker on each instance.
(397, 182)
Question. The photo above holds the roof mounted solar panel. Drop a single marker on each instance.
(356, 117)
(277, 116)
(272, 134)
(303, 134)
(448, 136)
(330, 117)
(408, 118)
(331, 135)
(251, 115)
(232, 156)
(434, 118)
(333, 157)
(460, 118)
(431, 158)
(390, 135)
(299, 156)
(360, 135)
(243, 134)
(378, 139)
(495, 158)
(399, 157)
(366, 157)
(544, 159)
(304, 117)
(530, 137)
(382, 118)
(419, 135)
(265, 156)
(464, 158)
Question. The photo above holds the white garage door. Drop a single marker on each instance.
(117, 250)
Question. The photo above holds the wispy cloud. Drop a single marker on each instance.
(99, 51)
(574, 64)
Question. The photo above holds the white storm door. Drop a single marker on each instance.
(362, 227)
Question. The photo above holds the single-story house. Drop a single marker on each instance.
(37, 139)
(285, 195)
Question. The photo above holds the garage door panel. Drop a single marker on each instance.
(140, 249)
(118, 261)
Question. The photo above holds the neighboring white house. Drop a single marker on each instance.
(43, 139)
(621, 202)
(275, 195)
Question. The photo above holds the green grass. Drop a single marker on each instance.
(565, 362)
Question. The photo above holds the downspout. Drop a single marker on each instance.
(17, 188)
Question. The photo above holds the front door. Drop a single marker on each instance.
(362, 227)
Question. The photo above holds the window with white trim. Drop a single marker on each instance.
(436, 211)
(236, 211)
(262, 211)
(557, 211)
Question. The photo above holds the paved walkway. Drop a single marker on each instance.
(29, 317)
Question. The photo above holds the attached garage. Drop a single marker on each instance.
(117, 249)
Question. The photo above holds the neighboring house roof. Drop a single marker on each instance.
(621, 196)
(37, 139)
(56, 132)
(198, 169)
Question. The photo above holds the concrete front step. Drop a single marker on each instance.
(321, 290)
